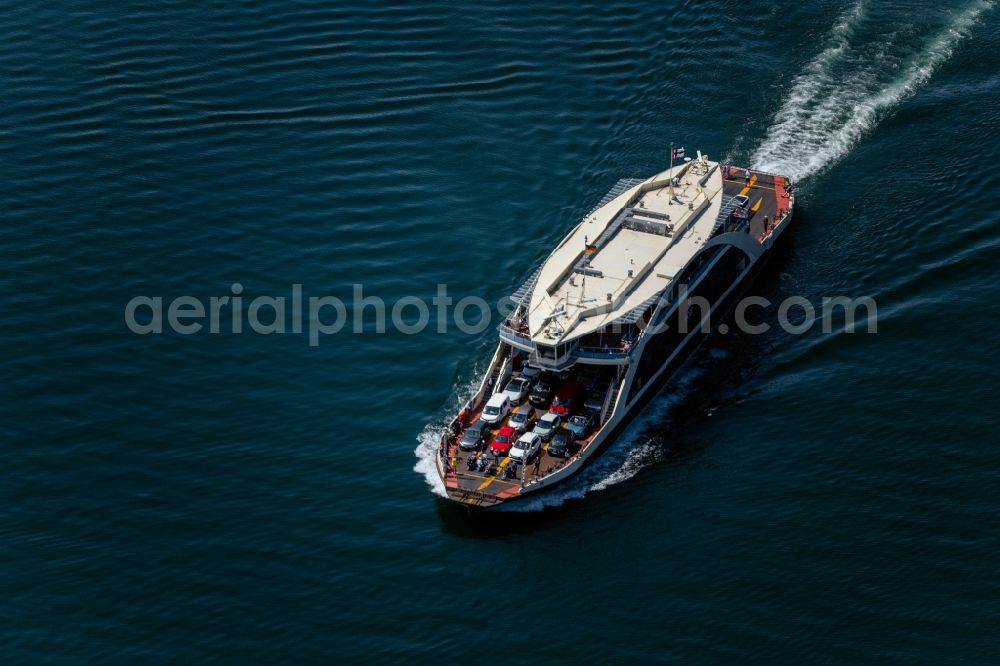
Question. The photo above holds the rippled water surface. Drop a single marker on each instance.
(824, 497)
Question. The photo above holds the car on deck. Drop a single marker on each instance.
(595, 403)
(517, 390)
(530, 373)
(541, 395)
(497, 408)
(527, 447)
(580, 425)
(568, 398)
(503, 440)
(547, 426)
(523, 418)
(562, 444)
(474, 436)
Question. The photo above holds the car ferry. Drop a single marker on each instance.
(609, 317)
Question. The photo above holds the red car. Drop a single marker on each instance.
(566, 400)
(504, 439)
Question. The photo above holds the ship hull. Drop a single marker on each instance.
(636, 389)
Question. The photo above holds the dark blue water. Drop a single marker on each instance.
(827, 497)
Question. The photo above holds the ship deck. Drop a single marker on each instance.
(768, 194)
(484, 489)
(768, 201)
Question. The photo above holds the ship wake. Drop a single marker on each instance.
(858, 78)
(426, 466)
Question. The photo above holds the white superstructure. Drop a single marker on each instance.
(639, 241)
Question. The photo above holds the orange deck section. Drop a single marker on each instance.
(769, 198)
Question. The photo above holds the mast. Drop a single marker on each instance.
(671, 170)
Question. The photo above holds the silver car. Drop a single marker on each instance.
(546, 426)
(523, 418)
(517, 390)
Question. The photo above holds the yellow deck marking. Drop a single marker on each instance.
(756, 206)
(487, 482)
(503, 463)
(753, 181)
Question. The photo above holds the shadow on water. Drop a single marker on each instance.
(475, 524)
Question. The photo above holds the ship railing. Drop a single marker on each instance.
(601, 352)
(503, 374)
(480, 497)
(769, 173)
(516, 337)
(611, 399)
(488, 383)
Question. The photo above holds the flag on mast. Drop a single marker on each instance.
(677, 153)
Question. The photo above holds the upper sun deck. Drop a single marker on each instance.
(625, 252)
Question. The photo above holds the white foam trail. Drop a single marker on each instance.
(430, 438)
(839, 40)
(426, 464)
(639, 457)
(835, 102)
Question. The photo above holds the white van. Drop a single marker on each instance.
(497, 409)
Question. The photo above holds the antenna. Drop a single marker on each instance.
(671, 173)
